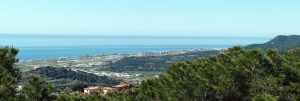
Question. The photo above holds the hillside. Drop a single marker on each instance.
(155, 63)
(280, 42)
(63, 73)
(64, 79)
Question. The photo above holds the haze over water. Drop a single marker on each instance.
(54, 46)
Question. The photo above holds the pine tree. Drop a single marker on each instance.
(9, 74)
(37, 89)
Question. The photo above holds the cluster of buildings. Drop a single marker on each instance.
(97, 61)
(122, 85)
(110, 74)
(71, 62)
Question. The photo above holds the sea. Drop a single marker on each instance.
(35, 47)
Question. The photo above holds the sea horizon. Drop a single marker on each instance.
(33, 47)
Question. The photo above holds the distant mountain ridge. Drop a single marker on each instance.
(280, 42)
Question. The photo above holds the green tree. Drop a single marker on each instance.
(82, 97)
(9, 75)
(264, 97)
(37, 89)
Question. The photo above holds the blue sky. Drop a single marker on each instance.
(255, 18)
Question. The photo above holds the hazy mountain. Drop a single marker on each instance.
(280, 42)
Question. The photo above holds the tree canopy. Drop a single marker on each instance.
(37, 89)
(235, 75)
(9, 75)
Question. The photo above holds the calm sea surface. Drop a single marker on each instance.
(45, 47)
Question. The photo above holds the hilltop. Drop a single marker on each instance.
(280, 42)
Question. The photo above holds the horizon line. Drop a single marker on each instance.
(132, 35)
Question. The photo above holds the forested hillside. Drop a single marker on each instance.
(280, 42)
(63, 73)
(155, 63)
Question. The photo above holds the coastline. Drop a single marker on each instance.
(98, 61)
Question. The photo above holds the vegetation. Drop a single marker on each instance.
(281, 43)
(154, 63)
(236, 75)
(83, 97)
(63, 73)
(37, 89)
(9, 76)
(264, 97)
